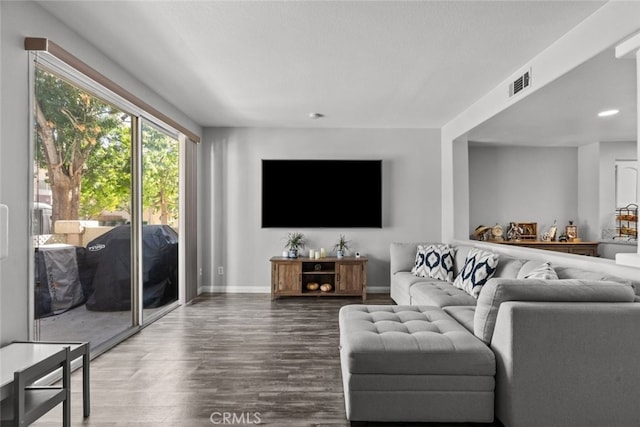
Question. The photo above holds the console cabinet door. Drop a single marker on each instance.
(287, 277)
(350, 277)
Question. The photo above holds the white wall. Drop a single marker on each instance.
(607, 26)
(20, 20)
(560, 183)
(589, 191)
(411, 197)
(523, 184)
(460, 187)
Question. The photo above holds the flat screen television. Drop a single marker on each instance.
(322, 193)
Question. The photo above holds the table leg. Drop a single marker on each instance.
(86, 399)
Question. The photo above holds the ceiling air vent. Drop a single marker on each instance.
(522, 82)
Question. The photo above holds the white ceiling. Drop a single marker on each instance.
(364, 64)
(565, 112)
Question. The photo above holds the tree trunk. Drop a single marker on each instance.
(164, 216)
(65, 185)
(65, 195)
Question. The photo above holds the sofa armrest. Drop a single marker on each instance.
(567, 363)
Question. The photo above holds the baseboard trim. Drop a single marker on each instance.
(218, 289)
(377, 289)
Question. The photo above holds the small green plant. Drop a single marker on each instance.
(342, 245)
(295, 241)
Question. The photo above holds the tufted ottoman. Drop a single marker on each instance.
(413, 363)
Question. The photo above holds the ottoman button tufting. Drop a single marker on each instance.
(413, 363)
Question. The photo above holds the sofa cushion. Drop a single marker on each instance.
(463, 314)
(479, 266)
(576, 273)
(543, 271)
(509, 267)
(579, 273)
(434, 261)
(497, 290)
(404, 280)
(439, 293)
(409, 340)
(635, 284)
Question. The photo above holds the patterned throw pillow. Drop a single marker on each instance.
(435, 262)
(544, 271)
(419, 268)
(479, 266)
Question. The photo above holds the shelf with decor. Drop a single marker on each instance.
(627, 222)
(577, 248)
(303, 276)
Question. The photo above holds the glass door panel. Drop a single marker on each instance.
(81, 211)
(160, 219)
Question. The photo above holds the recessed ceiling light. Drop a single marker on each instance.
(316, 115)
(608, 113)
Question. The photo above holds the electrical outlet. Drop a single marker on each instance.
(201, 272)
(220, 271)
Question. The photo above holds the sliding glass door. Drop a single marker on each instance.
(105, 226)
(81, 199)
(160, 219)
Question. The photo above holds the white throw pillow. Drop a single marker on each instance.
(479, 266)
(544, 271)
(435, 262)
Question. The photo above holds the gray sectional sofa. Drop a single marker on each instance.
(528, 352)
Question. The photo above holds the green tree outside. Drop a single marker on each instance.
(85, 145)
(160, 174)
(106, 184)
(69, 125)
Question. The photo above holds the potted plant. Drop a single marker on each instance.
(341, 247)
(294, 241)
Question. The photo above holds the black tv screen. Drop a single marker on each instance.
(322, 193)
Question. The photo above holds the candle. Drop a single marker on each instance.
(311, 255)
(317, 254)
(322, 253)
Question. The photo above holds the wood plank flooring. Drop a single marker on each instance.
(262, 362)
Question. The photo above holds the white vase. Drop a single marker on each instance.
(340, 254)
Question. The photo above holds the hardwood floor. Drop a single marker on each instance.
(239, 356)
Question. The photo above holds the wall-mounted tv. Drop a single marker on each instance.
(322, 193)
